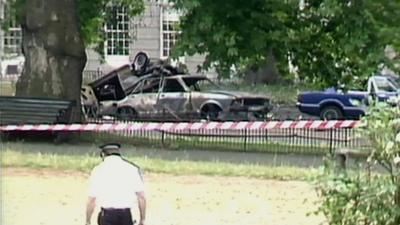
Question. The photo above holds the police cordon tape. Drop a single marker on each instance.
(149, 126)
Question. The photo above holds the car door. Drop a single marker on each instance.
(143, 98)
(174, 100)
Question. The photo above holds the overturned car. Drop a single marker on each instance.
(163, 93)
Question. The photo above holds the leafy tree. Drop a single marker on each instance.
(362, 197)
(239, 33)
(55, 35)
(326, 40)
(93, 14)
(344, 41)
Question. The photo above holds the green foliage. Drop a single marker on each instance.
(235, 32)
(12, 12)
(383, 130)
(361, 198)
(328, 41)
(343, 41)
(93, 14)
(357, 199)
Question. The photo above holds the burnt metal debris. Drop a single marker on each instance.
(158, 91)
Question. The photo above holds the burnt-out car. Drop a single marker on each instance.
(183, 98)
(115, 85)
(165, 94)
(111, 87)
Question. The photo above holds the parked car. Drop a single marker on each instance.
(336, 104)
(165, 94)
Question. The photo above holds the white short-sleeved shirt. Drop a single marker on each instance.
(114, 183)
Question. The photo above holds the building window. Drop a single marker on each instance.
(117, 31)
(170, 35)
(12, 38)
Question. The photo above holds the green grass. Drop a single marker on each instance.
(267, 147)
(7, 88)
(177, 143)
(12, 158)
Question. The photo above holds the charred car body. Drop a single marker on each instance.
(157, 92)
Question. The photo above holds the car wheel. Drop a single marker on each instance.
(210, 112)
(89, 107)
(126, 113)
(331, 112)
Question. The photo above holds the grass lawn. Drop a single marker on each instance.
(84, 158)
(7, 88)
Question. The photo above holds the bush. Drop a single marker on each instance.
(350, 198)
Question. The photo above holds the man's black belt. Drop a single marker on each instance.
(115, 209)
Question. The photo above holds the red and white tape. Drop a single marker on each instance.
(313, 124)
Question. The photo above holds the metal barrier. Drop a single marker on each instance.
(305, 137)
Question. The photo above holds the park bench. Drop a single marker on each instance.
(21, 110)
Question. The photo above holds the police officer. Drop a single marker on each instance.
(113, 185)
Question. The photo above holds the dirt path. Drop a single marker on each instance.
(43, 197)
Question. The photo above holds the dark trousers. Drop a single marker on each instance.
(115, 217)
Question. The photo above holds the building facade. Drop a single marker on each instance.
(2, 3)
(10, 44)
(155, 32)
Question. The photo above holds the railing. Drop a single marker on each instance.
(87, 76)
(288, 140)
(285, 137)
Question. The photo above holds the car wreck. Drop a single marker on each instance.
(160, 92)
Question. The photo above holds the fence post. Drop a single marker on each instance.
(245, 140)
(162, 138)
(331, 151)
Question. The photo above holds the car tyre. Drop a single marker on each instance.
(126, 113)
(89, 106)
(331, 112)
(210, 112)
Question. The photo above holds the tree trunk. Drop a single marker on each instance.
(54, 52)
(265, 74)
(269, 74)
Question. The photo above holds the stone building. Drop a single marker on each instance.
(10, 45)
(2, 3)
(154, 32)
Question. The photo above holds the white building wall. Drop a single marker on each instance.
(2, 3)
(146, 36)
